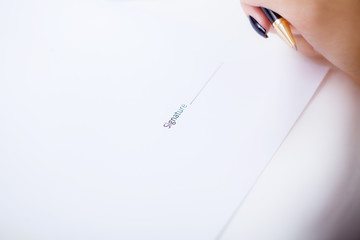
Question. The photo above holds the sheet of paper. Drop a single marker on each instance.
(116, 123)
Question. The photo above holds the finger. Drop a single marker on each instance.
(294, 31)
(273, 4)
(257, 19)
(304, 47)
(285, 8)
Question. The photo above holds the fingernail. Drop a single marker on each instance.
(257, 27)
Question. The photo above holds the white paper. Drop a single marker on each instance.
(86, 88)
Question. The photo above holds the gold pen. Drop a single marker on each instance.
(281, 26)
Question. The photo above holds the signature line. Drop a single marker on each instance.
(207, 82)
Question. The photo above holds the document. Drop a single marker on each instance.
(119, 123)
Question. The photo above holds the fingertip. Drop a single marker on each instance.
(257, 27)
(257, 14)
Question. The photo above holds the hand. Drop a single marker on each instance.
(330, 28)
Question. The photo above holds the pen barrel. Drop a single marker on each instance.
(272, 16)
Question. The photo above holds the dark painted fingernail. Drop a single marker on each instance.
(257, 27)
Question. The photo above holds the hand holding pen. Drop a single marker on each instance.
(326, 28)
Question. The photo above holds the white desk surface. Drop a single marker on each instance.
(310, 189)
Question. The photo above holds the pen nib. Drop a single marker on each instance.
(283, 29)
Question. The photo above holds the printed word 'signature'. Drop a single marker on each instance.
(174, 118)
